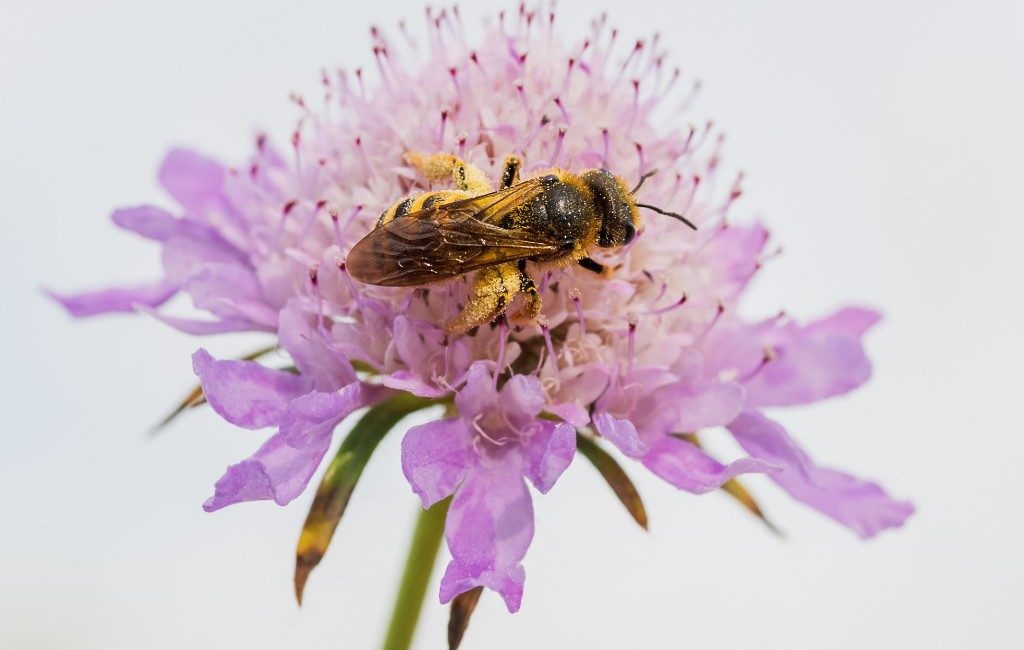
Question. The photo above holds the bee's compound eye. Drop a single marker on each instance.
(630, 234)
(550, 179)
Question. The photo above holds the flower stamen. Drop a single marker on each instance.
(545, 331)
(574, 295)
(767, 356)
(664, 310)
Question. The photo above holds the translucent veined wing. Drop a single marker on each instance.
(449, 240)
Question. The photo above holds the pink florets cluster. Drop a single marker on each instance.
(653, 351)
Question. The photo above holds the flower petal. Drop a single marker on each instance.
(714, 405)
(148, 221)
(230, 290)
(246, 393)
(522, 395)
(282, 467)
(412, 383)
(862, 506)
(853, 322)
(548, 453)
(314, 415)
(489, 529)
(435, 458)
(811, 363)
(571, 412)
(687, 467)
(121, 299)
(621, 433)
(479, 393)
(307, 345)
(201, 327)
(195, 181)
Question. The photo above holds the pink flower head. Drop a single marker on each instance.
(653, 347)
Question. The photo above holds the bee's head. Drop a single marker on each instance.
(615, 208)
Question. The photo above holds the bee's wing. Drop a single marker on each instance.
(446, 241)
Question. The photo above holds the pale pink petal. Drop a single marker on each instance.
(862, 506)
(807, 369)
(435, 458)
(688, 468)
(310, 348)
(714, 405)
(148, 221)
(314, 415)
(413, 383)
(571, 412)
(183, 255)
(201, 327)
(522, 396)
(195, 181)
(122, 299)
(230, 290)
(479, 392)
(489, 529)
(621, 433)
(283, 466)
(246, 393)
(852, 322)
(547, 453)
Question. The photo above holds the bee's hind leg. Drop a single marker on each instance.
(510, 172)
(531, 307)
(493, 291)
(443, 166)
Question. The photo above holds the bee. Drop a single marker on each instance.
(553, 220)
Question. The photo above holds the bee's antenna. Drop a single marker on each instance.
(668, 214)
(642, 179)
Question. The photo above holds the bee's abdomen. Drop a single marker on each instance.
(416, 203)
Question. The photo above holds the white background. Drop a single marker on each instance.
(883, 143)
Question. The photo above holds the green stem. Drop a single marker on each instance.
(419, 565)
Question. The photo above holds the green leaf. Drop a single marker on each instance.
(462, 608)
(340, 480)
(615, 476)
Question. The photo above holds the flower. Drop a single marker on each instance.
(481, 456)
(650, 352)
